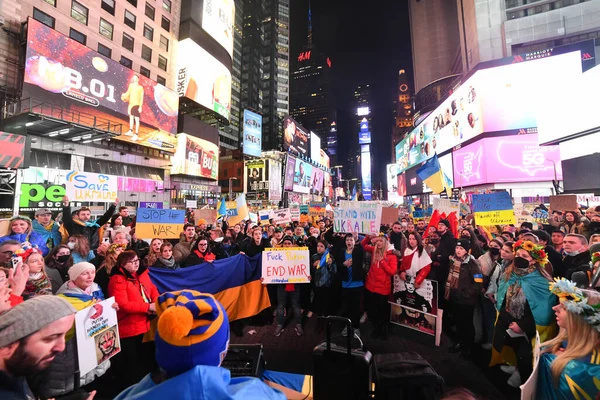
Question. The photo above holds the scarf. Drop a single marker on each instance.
(37, 284)
(452, 281)
(515, 296)
(417, 262)
(167, 262)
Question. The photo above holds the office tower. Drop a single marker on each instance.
(402, 110)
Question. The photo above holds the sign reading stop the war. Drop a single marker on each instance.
(286, 265)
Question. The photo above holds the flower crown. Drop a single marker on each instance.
(536, 251)
(26, 250)
(113, 247)
(575, 300)
(383, 235)
(595, 257)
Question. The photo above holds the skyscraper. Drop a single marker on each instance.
(359, 155)
(402, 110)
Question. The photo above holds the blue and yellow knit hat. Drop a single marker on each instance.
(193, 329)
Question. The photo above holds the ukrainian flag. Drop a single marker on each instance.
(242, 210)
(431, 174)
(221, 208)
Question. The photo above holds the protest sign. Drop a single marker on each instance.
(154, 223)
(489, 218)
(85, 186)
(303, 218)
(493, 209)
(359, 217)
(389, 215)
(446, 205)
(286, 265)
(416, 308)
(282, 216)
(97, 335)
(264, 216)
(316, 210)
(207, 214)
(295, 214)
(564, 202)
(191, 204)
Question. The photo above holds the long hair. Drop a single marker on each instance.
(29, 228)
(82, 245)
(152, 256)
(110, 261)
(419, 242)
(51, 261)
(113, 219)
(380, 253)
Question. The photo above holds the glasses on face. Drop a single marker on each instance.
(135, 261)
(202, 244)
(7, 253)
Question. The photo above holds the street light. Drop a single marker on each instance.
(231, 188)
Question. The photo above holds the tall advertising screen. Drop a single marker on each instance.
(203, 79)
(217, 21)
(290, 171)
(392, 182)
(252, 133)
(196, 157)
(67, 74)
(365, 172)
(256, 178)
(302, 175)
(506, 159)
(364, 135)
(295, 138)
(315, 147)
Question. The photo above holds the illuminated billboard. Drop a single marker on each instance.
(315, 147)
(195, 157)
(217, 20)
(252, 131)
(256, 176)
(324, 159)
(317, 179)
(506, 159)
(295, 138)
(77, 80)
(364, 135)
(365, 171)
(290, 171)
(392, 182)
(203, 79)
(302, 175)
(362, 111)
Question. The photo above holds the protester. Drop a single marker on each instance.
(32, 334)
(21, 230)
(141, 247)
(38, 283)
(441, 256)
(595, 238)
(82, 224)
(554, 257)
(507, 256)
(226, 247)
(384, 264)
(7, 249)
(322, 271)
(571, 222)
(397, 238)
(80, 249)
(104, 272)
(289, 292)
(135, 293)
(17, 276)
(276, 240)
(154, 252)
(46, 228)
(431, 243)
(182, 250)
(256, 245)
(524, 306)
(116, 225)
(126, 220)
(468, 233)
(190, 358)
(59, 259)
(166, 259)
(485, 311)
(415, 261)
(557, 241)
(577, 258)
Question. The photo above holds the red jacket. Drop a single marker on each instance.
(379, 278)
(133, 314)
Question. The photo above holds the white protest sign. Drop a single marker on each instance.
(191, 204)
(97, 335)
(286, 265)
(85, 186)
(295, 214)
(359, 217)
(446, 205)
(282, 216)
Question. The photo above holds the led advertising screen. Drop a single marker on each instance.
(315, 147)
(290, 171)
(295, 138)
(402, 184)
(324, 161)
(317, 179)
(364, 135)
(392, 182)
(365, 172)
(302, 175)
(252, 133)
(274, 180)
(506, 159)
(195, 157)
(203, 79)
(67, 74)
(256, 179)
(217, 21)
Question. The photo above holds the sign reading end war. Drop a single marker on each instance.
(359, 217)
(286, 265)
(163, 224)
(85, 186)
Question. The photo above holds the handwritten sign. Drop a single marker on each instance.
(295, 214)
(286, 265)
(565, 202)
(191, 204)
(163, 224)
(97, 335)
(85, 186)
(316, 210)
(282, 216)
(492, 202)
(207, 214)
(446, 205)
(389, 215)
(303, 218)
(359, 217)
(489, 218)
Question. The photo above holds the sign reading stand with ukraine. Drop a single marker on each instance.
(286, 265)
(493, 209)
(85, 186)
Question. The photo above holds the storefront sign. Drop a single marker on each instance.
(86, 186)
(155, 205)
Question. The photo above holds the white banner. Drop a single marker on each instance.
(358, 216)
(282, 216)
(286, 265)
(446, 205)
(86, 186)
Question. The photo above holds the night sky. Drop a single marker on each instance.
(367, 44)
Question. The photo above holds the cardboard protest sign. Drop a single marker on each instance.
(446, 205)
(303, 218)
(286, 265)
(389, 215)
(282, 216)
(493, 209)
(207, 214)
(295, 214)
(97, 335)
(359, 217)
(86, 186)
(316, 210)
(264, 216)
(163, 224)
(191, 204)
(564, 202)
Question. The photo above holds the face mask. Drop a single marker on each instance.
(573, 253)
(63, 259)
(494, 251)
(521, 263)
(315, 235)
(71, 245)
(404, 224)
(465, 237)
(434, 241)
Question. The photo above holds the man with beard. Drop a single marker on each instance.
(32, 334)
(397, 238)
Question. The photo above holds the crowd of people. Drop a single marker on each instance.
(493, 288)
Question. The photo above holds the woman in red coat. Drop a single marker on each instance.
(378, 284)
(132, 287)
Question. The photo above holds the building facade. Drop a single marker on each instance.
(402, 111)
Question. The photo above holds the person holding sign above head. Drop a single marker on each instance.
(82, 224)
(289, 292)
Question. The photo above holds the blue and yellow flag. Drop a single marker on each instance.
(221, 208)
(580, 379)
(241, 210)
(354, 193)
(431, 174)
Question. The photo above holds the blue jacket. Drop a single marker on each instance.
(34, 238)
(202, 383)
(52, 235)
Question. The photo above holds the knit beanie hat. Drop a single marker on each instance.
(79, 268)
(201, 221)
(445, 222)
(30, 316)
(193, 329)
(464, 243)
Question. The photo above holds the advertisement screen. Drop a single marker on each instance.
(392, 182)
(295, 137)
(327, 188)
(364, 135)
(324, 159)
(15, 151)
(317, 179)
(302, 175)
(290, 170)
(195, 157)
(67, 74)
(315, 147)
(506, 159)
(274, 180)
(256, 179)
(203, 79)
(365, 171)
(217, 21)
(252, 133)
(402, 184)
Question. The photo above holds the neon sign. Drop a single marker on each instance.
(304, 56)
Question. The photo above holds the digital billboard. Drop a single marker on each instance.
(364, 135)
(446, 166)
(324, 161)
(196, 157)
(274, 180)
(295, 138)
(217, 20)
(256, 179)
(506, 159)
(392, 182)
(315, 147)
(317, 179)
(203, 79)
(15, 151)
(77, 79)
(252, 133)
(302, 175)
(290, 171)
(365, 172)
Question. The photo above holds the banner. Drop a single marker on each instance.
(286, 265)
(565, 202)
(316, 210)
(274, 180)
(156, 223)
(282, 216)
(389, 215)
(208, 214)
(86, 186)
(97, 335)
(493, 209)
(446, 206)
(255, 176)
(359, 217)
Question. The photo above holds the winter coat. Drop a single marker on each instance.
(50, 234)
(133, 314)
(379, 278)
(469, 282)
(34, 238)
(324, 274)
(358, 271)
(159, 264)
(182, 250)
(89, 230)
(196, 258)
(250, 248)
(580, 262)
(222, 250)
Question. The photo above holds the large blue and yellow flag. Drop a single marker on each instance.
(234, 281)
(580, 379)
(241, 210)
(221, 208)
(431, 174)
